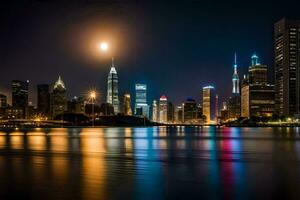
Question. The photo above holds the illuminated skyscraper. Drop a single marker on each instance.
(258, 73)
(112, 88)
(154, 111)
(127, 104)
(58, 98)
(141, 106)
(163, 109)
(287, 66)
(257, 96)
(235, 78)
(209, 103)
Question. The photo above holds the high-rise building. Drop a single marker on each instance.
(112, 88)
(58, 98)
(257, 100)
(257, 96)
(43, 99)
(3, 105)
(179, 114)
(209, 103)
(3, 101)
(76, 105)
(163, 109)
(19, 93)
(258, 73)
(234, 102)
(234, 107)
(141, 106)
(287, 66)
(127, 104)
(190, 111)
(235, 78)
(154, 111)
(170, 112)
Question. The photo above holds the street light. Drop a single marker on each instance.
(93, 95)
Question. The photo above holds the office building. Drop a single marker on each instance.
(112, 88)
(3, 105)
(190, 111)
(234, 107)
(127, 104)
(141, 105)
(257, 96)
(163, 109)
(209, 104)
(170, 113)
(179, 114)
(257, 100)
(19, 93)
(3, 101)
(287, 66)
(76, 105)
(154, 111)
(43, 99)
(58, 99)
(258, 73)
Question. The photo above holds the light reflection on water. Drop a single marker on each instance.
(150, 163)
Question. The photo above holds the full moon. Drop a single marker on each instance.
(103, 46)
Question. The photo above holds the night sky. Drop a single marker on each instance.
(175, 48)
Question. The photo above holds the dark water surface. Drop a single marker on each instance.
(151, 163)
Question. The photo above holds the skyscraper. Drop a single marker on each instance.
(58, 98)
(43, 99)
(154, 111)
(235, 78)
(112, 88)
(141, 100)
(258, 73)
(287, 66)
(209, 103)
(163, 109)
(257, 96)
(127, 104)
(19, 93)
(170, 112)
(3, 101)
(76, 105)
(190, 111)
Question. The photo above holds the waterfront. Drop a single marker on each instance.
(151, 163)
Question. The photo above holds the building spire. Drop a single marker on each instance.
(235, 77)
(235, 63)
(112, 62)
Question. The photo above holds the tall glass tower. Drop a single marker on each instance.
(112, 88)
(141, 106)
(235, 78)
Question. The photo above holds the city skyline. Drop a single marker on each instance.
(138, 60)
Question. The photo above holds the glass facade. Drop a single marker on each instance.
(112, 89)
(141, 100)
(287, 66)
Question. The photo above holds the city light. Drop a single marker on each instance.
(93, 94)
